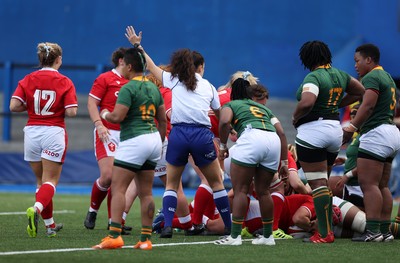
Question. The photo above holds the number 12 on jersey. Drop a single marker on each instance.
(49, 96)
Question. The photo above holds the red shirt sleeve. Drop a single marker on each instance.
(291, 162)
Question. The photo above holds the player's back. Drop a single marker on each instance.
(47, 94)
(143, 99)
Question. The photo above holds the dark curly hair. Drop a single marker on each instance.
(315, 53)
(182, 66)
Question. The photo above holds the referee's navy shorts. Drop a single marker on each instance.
(195, 140)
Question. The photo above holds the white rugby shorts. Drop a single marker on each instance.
(47, 142)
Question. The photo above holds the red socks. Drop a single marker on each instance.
(203, 200)
(97, 196)
(278, 200)
(44, 196)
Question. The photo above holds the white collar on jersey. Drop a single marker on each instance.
(116, 72)
(48, 68)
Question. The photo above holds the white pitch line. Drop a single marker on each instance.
(43, 251)
(86, 249)
(24, 213)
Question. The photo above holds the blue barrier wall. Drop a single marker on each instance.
(260, 36)
(79, 167)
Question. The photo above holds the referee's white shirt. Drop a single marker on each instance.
(188, 106)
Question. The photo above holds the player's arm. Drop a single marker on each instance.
(117, 115)
(346, 177)
(17, 105)
(283, 171)
(354, 92)
(224, 127)
(302, 219)
(71, 111)
(152, 67)
(305, 105)
(70, 101)
(365, 110)
(135, 41)
(92, 106)
(296, 183)
(217, 112)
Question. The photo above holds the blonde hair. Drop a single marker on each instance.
(48, 53)
(246, 75)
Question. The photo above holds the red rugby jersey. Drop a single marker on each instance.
(105, 89)
(46, 93)
(224, 97)
(167, 97)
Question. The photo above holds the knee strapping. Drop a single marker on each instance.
(359, 222)
(316, 175)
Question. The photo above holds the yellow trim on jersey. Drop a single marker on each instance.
(324, 66)
(140, 78)
(378, 68)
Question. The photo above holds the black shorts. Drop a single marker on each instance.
(308, 155)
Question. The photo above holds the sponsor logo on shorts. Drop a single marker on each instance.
(225, 210)
(161, 169)
(50, 153)
(111, 147)
(210, 155)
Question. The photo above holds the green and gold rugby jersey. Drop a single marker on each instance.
(143, 99)
(382, 83)
(332, 84)
(250, 114)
